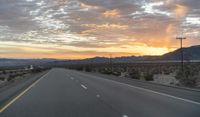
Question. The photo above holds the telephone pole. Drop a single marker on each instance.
(110, 61)
(181, 44)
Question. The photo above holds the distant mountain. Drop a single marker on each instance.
(190, 53)
(23, 62)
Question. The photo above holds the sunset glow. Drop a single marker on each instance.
(73, 29)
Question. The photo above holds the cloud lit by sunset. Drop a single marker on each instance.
(112, 13)
(73, 29)
(180, 10)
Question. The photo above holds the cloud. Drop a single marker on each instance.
(180, 10)
(106, 26)
(100, 24)
(112, 13)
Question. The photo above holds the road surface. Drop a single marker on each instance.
(66, 93)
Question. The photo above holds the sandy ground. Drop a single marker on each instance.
(165, 79)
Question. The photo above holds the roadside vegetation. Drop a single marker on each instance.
(147, 72)
(10, 76)
(188, 76)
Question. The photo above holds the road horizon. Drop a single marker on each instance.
(63, 92)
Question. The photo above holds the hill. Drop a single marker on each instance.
(190, 53)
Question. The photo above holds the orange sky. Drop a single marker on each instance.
(83, 29)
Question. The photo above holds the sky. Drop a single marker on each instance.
(74, 29)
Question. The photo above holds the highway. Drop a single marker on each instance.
(67, 93)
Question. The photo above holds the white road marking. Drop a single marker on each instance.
(98, 96)
(72, 78)
(22, 93)
(124, 116)
(83, 86)
(148, 90)
(163, 94)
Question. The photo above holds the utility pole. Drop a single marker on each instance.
(110, 61)
(181, 44)
(91, 65)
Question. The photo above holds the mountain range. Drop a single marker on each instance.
(189, 53)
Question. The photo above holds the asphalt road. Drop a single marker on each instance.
(66, 93)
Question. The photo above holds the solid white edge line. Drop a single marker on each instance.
(148, 90)
(163, 94)
(124, 116)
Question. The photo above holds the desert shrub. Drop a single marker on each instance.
(105, 71)
(88, 69)
(116, 73)
(2, 78)
(78, 68)
(134, 74)
(187, 76)
(36, 70)
(3, 72)
(10, 78)
(148, 77)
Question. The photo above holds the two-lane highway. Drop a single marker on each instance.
(67, 93)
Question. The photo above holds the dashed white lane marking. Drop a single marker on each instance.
(98, 96)
(83, 86)
(72, 78)
(151, 91)
(124, 116)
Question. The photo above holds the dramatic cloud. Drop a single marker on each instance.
(112, 13)
(86, 28)
(180, 10)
